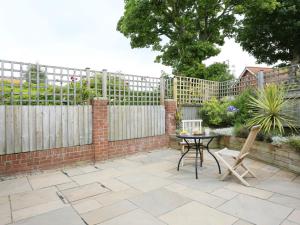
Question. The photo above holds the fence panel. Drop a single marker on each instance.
(190, 112)
(128, 122)
(31, 128)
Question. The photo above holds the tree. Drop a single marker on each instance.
(218, 72)
(185, 32)
(272, 34)
(32, 75)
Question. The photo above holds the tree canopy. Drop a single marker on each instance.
(185, 32)
(272, 34)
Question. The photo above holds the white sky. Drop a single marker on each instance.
(82, 33)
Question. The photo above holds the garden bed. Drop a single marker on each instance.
(283, 155)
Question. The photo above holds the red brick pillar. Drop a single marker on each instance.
(170, 107)
(100, 128)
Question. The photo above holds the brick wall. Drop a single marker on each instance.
(100, 150)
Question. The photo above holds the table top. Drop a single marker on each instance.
(198, 136)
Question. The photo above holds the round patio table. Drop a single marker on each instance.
(197, 141)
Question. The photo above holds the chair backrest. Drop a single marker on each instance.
(191, 125)
(249, 141)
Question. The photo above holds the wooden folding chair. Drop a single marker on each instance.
(190, 126)
(239, 157)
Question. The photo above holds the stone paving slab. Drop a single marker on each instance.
(224, 193)
(256, 210)
(159, 201)
(58, 217)
(295, 216)
(5, 213)
(108, 212)
(249, 191)
(48, 179)
(32, 198)
(112, 197)
(37, 210)
(13, 186)
(136, 217)
(144, 182)
(202, 197)
(285, 200)
(282, 187)
(86, 205)
(85, 191)
(97, 176)
(195, 213)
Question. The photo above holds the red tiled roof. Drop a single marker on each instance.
(255, 69)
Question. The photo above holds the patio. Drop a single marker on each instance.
(146, 189)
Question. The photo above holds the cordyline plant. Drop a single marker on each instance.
(268, 109)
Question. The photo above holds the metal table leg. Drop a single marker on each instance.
(183, 154)
(207, 148)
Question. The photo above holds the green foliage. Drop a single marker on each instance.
(267, 109)
(218, 72)
(34, 75)
(242, 131)
(294, 142)
(271, 33)
(184, 32)
(241, 103)
(214, 113)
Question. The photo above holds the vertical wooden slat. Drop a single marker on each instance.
(17, 128)
(10, 145)
(39, 127)
(124, 119)
(76, 137)
(90, 124)
(25, 129)
(86, 122)
(52, 125)
(32, 127)
(70, 125)
(2, 130)
(58, 126)
(64, 125)
(81, 125)
(46, 127)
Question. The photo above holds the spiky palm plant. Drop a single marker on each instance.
(268, 109)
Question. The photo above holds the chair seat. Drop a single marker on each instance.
(228, 152)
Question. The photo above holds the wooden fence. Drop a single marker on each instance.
(30, 128)
(128, 122)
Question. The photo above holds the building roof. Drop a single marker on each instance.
(255, 69)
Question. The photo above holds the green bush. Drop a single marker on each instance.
(214, 113)
(242, 131)
(241, 103)
(294, 142)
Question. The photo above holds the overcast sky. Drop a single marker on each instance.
(80, 34)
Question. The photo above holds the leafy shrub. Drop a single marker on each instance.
(214, 113)
(243, 131)
(241, 103)
(294, 142)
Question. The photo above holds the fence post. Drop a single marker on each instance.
(88, 73)
(162, 91)
(260, 79)
(104, 83)
(175, 89)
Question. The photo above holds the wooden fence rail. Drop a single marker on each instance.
(30, 128)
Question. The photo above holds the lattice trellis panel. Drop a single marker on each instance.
(124, 89)
(195, 91)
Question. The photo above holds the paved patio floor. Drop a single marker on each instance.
(146, 189)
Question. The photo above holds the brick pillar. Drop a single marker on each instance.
(100, 128)
(170, 107)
